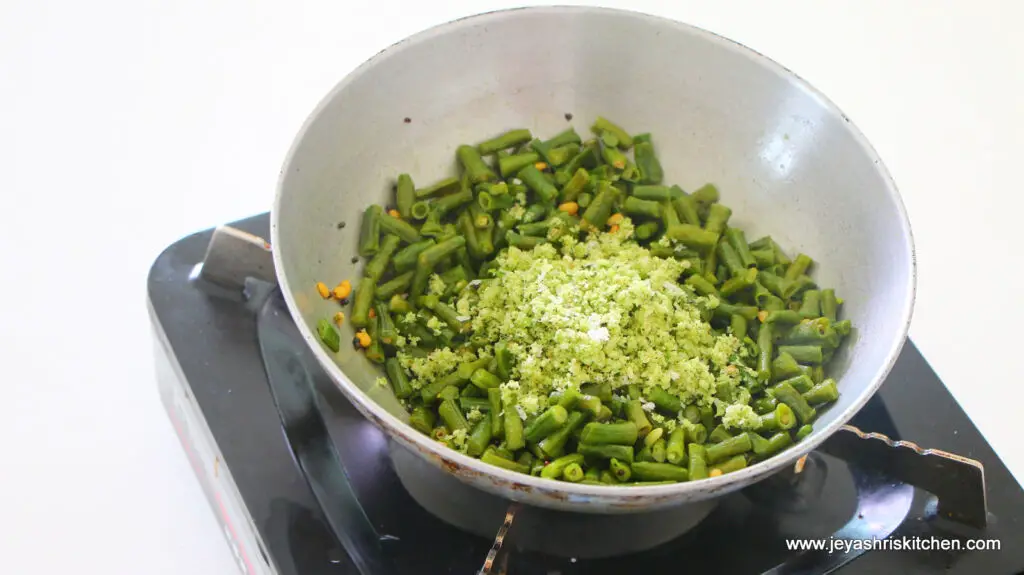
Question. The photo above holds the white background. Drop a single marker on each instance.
(127, 124)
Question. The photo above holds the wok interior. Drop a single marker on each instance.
(786, 162)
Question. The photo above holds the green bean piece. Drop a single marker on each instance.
(574, 186)
(652, 437)
(797, 286)
(573, 473)
(619, 471)
(395, 285)
(534, 213)
(802, 383)
(669, 217)
(624, 433)
(474, 164)
(558, 156)
(781, 418)
(693, 236)
(497, 421)
(697, 461)
(646, 230)
(362, 301)
(783, 317)
(728, 466)
(432, 255)
(774, 283)
(675, 448)
(400, 228)
(535, 180)
(553, 470)
(586, 158)
(818, 332)
(718, 434)
(567, 136)
(523, 242)
(451, 415)
(843, 327)
(602, 125)
(726, 309)
(706, 195)
(584, 200)
(511, 165)
(807, 354)
(810, 305)
(449, 392)
(738, 326)
(784, 366)
(535, 229)
(589, 404)
(554, 444)
(828, 304)
(654, 471)
(738, 241)
(658, 451)
(651, 171)
(369, 231)
(763, 405)
(328, 335)
(386, 325)
(656, 193)
(763, 258)
(824, 392)
(491, 457)
(701, 285)
(765, 448)
(405, 195)
(470, 402)
(378, 264)
(798, 268)
(634, 206)
(451, 202)
(479, 217)
(419, 211)
(502, 452)
(718, 217)
(729, 447)
(613, 157)
(484, 379)
(440, 188)
(509, 139)
(526, 458)
(786, 394)
(397, 304)
(804, 430)
(635, 413)
(420, 279)
(422, 419)
(480, 437)
(514, 438)
(817, 374)
(707, 417)
(665, 402)
(609, 139)
(597, 213)
(568, 399)
(491, 203)
(607, 451)
(692, 413)
(727, 255)
(504, 360)
(739, 282)
(697, 434)
(546, 423)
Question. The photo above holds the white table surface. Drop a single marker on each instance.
(127, 124)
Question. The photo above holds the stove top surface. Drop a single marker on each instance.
(289, 507)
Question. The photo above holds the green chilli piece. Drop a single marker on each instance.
(328, 334)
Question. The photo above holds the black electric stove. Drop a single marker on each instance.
(303, 485)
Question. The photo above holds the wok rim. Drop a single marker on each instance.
(574, 492)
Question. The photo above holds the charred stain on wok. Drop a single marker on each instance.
(407, 120)
(341, 225)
